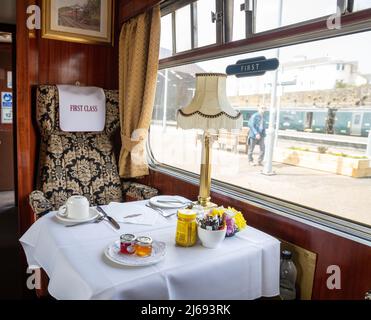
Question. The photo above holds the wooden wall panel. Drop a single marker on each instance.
(130, 8)
(354, 259)
(66, 62)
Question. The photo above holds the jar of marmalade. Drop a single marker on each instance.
(186, 232)
(143, 246)
(127, 244)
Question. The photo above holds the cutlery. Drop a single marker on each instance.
(172, 201)
(110, 219)
(132, 216)
(160, 211)
(97, 220)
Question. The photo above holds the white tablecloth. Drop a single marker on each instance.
(245, 266)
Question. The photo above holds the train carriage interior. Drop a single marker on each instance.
(185, 150)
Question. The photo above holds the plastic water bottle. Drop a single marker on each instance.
(288, 275)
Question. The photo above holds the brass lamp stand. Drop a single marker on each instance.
(205, 173)
(208, 110)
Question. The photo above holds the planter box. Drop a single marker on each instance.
(356, 168)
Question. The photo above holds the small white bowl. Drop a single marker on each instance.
(211, 238)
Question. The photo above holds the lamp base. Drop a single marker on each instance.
(205, 203)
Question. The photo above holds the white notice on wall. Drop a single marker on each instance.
(9, 79)
(6, 107)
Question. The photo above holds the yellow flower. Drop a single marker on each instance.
(240, 221)
(217, 212)
(238, 218)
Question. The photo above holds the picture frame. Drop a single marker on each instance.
(82, 21)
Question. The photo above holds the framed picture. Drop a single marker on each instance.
(84, 21)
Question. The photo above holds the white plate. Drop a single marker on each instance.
(93, 214)
(112, 252)
(154, 201)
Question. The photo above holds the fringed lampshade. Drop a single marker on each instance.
(209, 110)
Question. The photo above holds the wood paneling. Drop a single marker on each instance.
(131, 8)
(353, 258)
(6, 161)
(66, 62)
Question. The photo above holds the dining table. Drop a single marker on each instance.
(244, 266)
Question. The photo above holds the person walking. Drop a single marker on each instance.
(256, 136)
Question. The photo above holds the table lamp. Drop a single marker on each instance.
(210, 111)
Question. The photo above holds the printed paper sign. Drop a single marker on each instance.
(81, 109)
(6, 107)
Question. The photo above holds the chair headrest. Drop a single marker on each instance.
(47, 111)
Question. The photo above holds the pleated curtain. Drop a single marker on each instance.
(138, 65)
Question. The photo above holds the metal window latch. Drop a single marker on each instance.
(245, 6)
(249, 17)
(216, 16)
(345, 6)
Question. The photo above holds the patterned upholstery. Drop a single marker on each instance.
(74, 163)
(137, 191)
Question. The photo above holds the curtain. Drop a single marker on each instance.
(138, 65)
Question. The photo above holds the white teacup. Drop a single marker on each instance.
(76, 207)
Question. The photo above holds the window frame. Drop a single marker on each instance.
(307, 31)
(310, 30)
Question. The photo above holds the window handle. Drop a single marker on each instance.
(216, 16)
(245, 6)
(249, 17)
(345, 6)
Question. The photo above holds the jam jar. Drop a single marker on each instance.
(186, 232)
(143, 246)
(127, 243)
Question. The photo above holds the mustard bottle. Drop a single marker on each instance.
(186, 232)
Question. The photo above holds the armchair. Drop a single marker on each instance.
(76, 162)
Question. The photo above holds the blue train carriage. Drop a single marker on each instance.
(300, 119)
(246, 112)
(292, 119)
(354, 122)
(317, 120)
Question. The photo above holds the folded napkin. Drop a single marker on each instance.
(119, 211)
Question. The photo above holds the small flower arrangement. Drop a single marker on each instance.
(220, 218)
(215, 220)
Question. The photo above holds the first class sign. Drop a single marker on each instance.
(252, 67)
(81, 109)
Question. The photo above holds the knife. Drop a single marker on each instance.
(110, 219)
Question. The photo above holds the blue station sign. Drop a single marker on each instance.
(252, 67)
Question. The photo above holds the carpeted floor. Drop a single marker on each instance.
(10, 273)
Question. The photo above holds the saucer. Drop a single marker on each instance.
(93, 214)
(112, 252)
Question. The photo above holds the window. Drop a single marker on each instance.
(183, 28)
(188, 27)
(206, 31)
(316, 104)
(194, 27)
(166, 43)
(272, 14)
